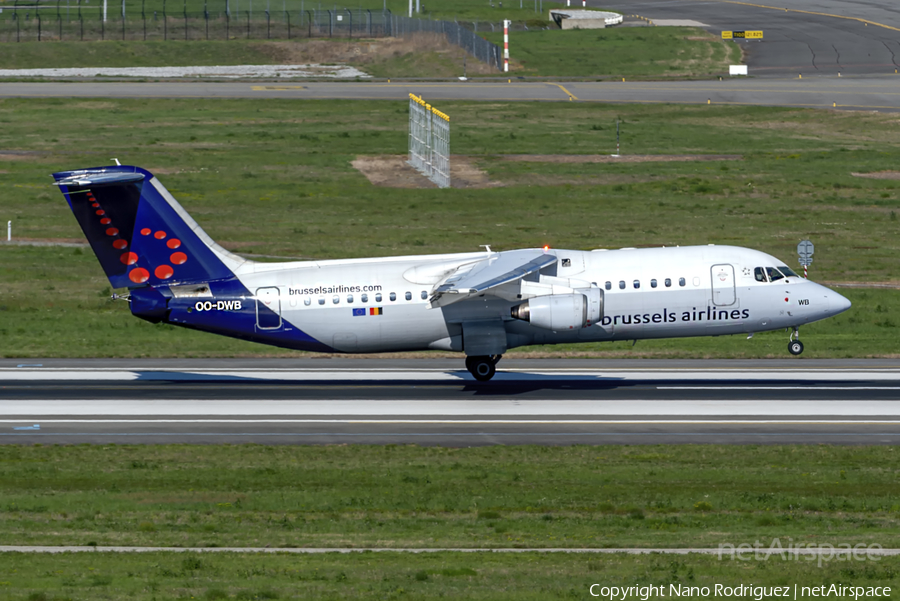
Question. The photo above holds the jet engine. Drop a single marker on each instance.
(562, 311)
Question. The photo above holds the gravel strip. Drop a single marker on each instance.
(232, 71)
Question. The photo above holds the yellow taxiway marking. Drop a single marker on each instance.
(570, 94)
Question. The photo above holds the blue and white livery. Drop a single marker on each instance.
(480, 303)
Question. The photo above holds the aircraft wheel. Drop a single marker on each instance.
(795, 347)
(481, 368)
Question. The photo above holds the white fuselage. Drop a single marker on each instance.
(374, 305)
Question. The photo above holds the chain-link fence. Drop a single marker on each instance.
(80, 23)
(84, 25)
(440, 148)
(455, 33)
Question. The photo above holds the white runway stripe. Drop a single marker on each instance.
(468, 408)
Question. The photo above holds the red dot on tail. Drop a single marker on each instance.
(95, 205)
(100, 212)
(163, 272)
(786, 299)
(106, 221)
(139, 275)
(159, 235)
(129, 258)
(111, 231)
(173, 243)
(178, 258)
(120, 244)
(145, 231)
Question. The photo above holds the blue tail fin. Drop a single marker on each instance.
(139, 232)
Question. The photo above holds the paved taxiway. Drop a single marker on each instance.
(321, 401)
(808, 37)
(880, 93)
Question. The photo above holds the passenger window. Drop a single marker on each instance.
(378, 298)
(621, 284)
(696, 281)
(760, 274)
(364, 298)
(681, 282)
(336, 299)
(637, 284)
(322, 300)
(609, 285)
(408, 296)
(653, 283)
(393, 296)
(424, 295)
(350, 299)
(307, 301)
(668, 282)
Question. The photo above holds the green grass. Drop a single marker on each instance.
(478, 577)
(274, 177)
(36, 55)
(408, 496)
(633, 52)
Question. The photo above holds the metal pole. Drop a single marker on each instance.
(617, 137)
(104, 11)
(350, 17)
(268, 26)
(9, 231)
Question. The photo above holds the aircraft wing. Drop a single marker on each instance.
(494, 271)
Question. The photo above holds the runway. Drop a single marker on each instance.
(434, 402)
(880, 93)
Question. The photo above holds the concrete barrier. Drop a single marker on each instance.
(584, 19)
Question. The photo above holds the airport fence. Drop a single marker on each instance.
(48, 22)
(88, 25)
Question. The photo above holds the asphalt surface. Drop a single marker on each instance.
(809, 37)
(869, 93)
(321, 401)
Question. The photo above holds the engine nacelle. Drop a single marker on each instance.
(562, 311)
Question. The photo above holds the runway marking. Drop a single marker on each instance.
(265, 88)
(808, 12)
(810, 387)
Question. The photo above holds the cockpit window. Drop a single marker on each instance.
(760, 274)
(787, 271)
(774, 274)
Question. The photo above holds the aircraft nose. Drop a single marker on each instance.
(837, 303)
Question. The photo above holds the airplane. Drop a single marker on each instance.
(479, 303)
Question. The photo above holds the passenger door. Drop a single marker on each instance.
(722, 285)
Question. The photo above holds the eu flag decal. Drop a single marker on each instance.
(359, 312)
(376, 311)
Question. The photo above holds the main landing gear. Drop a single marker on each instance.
(484, 367)
(795, 347)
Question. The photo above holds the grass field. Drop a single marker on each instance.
(408, 496)
(273, 177)
(632, 52)
(479, 577)
(651, 52)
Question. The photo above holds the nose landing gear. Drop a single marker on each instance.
(484, 367)
(795, 347)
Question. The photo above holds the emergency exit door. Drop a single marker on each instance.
(268, 308)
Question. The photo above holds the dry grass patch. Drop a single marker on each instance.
(625, 158)
(879, 175)
(392, 171)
